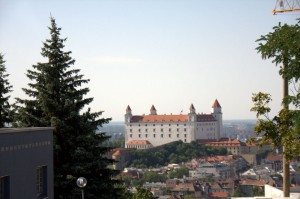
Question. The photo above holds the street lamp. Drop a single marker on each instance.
(81, 183)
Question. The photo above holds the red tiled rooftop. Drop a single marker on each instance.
(170, 118)
(138, 142)
(274, 157)
(234, 142)
(218, 195)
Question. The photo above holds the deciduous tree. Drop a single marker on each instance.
(283, 47)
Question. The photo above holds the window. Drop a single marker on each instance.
(169, 135)
(139, 135)
(161, 125)
(169, 130)
(153, 130)
(131, 135)
(4, 187)
(185, 135)
(184, 140)
(139, 130)
(184, 129)
(184, 124)
(162, 135)
(146, 130)
(178, 135)
(154, 135)
(177, 130)
(41, 181)
(153, 124)
(169, 124)
(130, 130)
(146, 135)
(161, 130)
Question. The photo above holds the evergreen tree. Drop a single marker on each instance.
(57, 100)
(5, 88)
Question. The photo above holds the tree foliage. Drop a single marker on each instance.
(176, 152)
(5, 89)
(283, 47)
(179, 173)
(56, 99)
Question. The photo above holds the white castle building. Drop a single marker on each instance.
(146, 131)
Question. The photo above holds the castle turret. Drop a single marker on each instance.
(216, 111)
(192, 114)
(128, 114)
(153, 110)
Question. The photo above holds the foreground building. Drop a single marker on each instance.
(146, 131)
(26, 163)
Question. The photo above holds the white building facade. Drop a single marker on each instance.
(156, 130)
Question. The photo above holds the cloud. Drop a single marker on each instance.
(113, 60)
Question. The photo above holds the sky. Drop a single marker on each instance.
(166, 53)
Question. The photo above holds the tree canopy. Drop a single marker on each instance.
(5, 89)
(176, 152)
(283, 47)
(56, 98)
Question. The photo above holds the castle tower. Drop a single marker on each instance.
(153, 110)
(192, 114)
(216, 111)
(128, 115)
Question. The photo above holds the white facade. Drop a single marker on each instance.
(163, 129)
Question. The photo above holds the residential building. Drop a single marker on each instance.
(26, 157)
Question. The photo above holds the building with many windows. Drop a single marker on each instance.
(146, 131)
(26, 163)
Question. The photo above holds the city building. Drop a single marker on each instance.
(26, 157)
(147, 131)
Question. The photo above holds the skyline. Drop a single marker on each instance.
(142, 53)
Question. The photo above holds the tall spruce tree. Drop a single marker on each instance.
(5, 89)
(56, 100)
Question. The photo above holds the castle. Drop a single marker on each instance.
(146, 131)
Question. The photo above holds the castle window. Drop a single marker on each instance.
(178, 135)
(177, 124)
(131, 135)
(130, 130)
(177, 130)
(153, 124)
(161, 130)
(169, 124)
(145, 124)
(185, 135)
(146, 130)
(161, 125)
(139, 130)
(154, 135)
(169, 130)
(184, 140)
(139, 124)
(146, 135)
(153, 130)
(184, 129)
(169, 135)
(184, 124)
(161, 135)
(139, 135)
